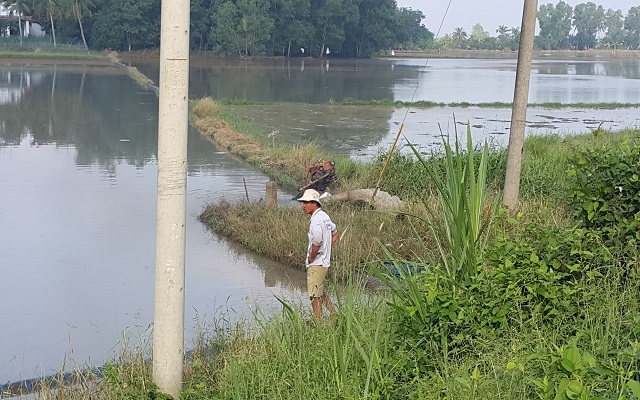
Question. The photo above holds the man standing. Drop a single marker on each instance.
(322, 235)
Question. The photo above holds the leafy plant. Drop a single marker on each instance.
(573, 373)
(606, 196)
(460, 231)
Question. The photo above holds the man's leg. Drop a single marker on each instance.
(315, 287)
(316, 305)
(327, 302)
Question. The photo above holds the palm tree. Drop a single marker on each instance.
(48, 7)
(80, 8)
(458, 36)
(18, 7)
(503, 35)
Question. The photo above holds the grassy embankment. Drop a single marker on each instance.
(545, 159)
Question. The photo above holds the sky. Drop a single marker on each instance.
(489, 13)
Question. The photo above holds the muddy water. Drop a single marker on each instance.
(77, 222)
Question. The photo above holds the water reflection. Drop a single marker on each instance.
(285, 80)
(438, 80)
(620, 69)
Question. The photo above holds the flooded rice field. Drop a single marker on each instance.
(364, 132)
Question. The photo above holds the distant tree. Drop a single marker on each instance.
(479, 38)
(255, 25)
(376, 29)
(127, 25)
(588, 20)
(503, 36)
(478, 32)
(200, 24)
(632, 27)
(80, 8)
(444, 42)
(409, 27)
(555, 25)
(614, 25)
(459, 37)
(515, 38)
(48, 9)
(292, 27)
(331, 18)
(224, 36)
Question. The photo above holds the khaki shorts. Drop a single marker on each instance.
(316, 275)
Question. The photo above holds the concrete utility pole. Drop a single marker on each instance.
(520, 101)
(173, 123)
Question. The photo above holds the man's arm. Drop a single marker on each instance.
(313, 253)
(334, 238)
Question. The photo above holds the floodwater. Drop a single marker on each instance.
(78, 179)
(307, 85)
(77, 223)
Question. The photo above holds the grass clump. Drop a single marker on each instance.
(279, 233)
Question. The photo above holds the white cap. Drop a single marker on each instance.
(311, 195)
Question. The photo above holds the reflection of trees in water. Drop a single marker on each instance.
(104, 117)
(288, 80)
(624, 69)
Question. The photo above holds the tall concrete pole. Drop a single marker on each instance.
(520, 101)
(173, 122)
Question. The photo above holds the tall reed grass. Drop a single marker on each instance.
(460, 226)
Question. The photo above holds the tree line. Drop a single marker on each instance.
(585, 26)
(342, 28)
(318, 28)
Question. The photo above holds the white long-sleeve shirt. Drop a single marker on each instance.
(321, 228)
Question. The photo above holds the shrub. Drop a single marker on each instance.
(606, 196)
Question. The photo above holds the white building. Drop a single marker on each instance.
(8, 13)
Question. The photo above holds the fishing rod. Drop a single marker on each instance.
(395, 142)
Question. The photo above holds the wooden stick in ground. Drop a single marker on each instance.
(246, 192)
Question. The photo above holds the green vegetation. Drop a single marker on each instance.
(549, 309)
(340, 28)
(585, 26)
(294, 28)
